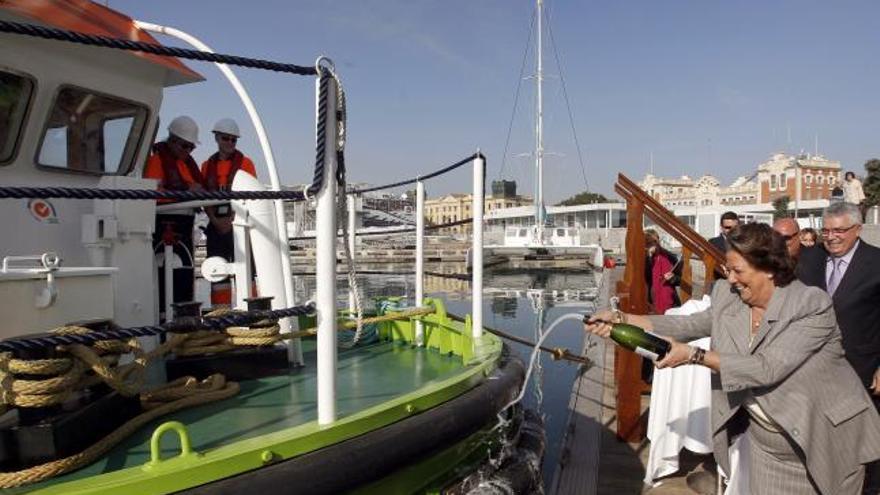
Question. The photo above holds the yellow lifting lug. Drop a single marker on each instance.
(186, 452)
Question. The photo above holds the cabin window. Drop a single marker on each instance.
(92, 133)
(15, 95)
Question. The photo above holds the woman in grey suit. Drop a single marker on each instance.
(780, 376)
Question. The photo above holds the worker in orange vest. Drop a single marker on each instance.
(171, 163)
(219, 171)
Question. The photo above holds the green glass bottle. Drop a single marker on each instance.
(643, 343)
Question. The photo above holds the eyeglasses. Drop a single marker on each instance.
(228, 139)
(185, 145)
(838, 231)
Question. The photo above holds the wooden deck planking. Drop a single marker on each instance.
(594, 461)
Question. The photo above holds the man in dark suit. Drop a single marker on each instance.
(729, 220)
(849, 269)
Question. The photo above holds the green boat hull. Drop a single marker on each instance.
(387, 392)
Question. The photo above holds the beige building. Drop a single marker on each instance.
(800, 177)
(705, 191)
(455, 207)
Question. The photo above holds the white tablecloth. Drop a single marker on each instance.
(680, 416)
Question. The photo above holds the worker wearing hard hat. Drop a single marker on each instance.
(171, 163)
(219, 171)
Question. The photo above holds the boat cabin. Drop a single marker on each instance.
(78, 116)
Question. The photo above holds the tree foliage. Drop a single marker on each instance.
(780, 207)
(871, 184)
(583, 198)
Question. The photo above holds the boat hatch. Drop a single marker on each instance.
(37, 294)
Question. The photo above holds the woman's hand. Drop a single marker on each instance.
(599, 323)
(678, 354)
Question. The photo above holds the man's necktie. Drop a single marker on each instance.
(834, 278)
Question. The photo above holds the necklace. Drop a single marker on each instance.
(753, 328)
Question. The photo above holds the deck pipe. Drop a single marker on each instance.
(420, 257)
(477, 250)
(325, 266)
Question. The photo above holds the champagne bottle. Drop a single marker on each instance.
(635, 339)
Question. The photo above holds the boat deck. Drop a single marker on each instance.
(367, 376)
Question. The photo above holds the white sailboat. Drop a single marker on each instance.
(542, 238)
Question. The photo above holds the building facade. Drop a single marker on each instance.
(801, 177)
(456, 207)
(705, 191)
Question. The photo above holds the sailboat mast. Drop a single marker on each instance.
(539, 125)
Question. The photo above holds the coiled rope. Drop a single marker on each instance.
(215, 322)
(126, 380)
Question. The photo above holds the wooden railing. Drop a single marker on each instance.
(633, 292)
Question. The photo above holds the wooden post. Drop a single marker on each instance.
(632, 291)
(634, 299)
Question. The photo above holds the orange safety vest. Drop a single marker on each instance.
(213, 179)
(172, 179)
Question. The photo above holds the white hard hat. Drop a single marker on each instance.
(185, 128)
(227, 126)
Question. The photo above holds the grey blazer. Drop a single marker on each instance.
(796, 371)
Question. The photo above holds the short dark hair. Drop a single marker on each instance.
(849, 174)
(764, 249)
(728, 215)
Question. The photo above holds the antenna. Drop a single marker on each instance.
(652, 163)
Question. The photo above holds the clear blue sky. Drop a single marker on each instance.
(706, 86)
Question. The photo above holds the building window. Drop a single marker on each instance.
(831, 179)
(16, 91)
(808, 179)
(772, 182)
(91, 133)
(782, 183)
(820, 180)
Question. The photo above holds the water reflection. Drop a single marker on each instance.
(519, 302)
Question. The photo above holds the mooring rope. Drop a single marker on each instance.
(347, 325)
(424, 177)
(325, 75)
(155, 49)
(27, 192)
(401, 230)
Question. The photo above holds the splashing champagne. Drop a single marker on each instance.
(635, 339)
